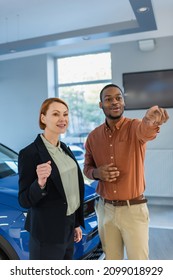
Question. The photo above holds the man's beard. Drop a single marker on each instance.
(112, 117)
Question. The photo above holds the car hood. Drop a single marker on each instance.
(90, 190)
(9, 191)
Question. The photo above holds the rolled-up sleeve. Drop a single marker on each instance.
(145, 131)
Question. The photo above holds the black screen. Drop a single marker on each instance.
(145, 89)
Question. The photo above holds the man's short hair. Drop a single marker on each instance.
(107, 86)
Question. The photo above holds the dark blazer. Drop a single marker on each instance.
(47, 208)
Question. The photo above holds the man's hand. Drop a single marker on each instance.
(108, 173)
(43, 172)
(156, 116)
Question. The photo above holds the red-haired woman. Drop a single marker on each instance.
(51, 187)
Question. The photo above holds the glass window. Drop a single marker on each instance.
(80, 80)
(84, 68)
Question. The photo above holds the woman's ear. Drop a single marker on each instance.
(43, 118)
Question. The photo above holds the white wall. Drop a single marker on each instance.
(126, 57)
(159, 155)
(23, 87)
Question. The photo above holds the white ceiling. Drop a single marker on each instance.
(65, 26)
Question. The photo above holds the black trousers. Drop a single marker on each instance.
(54, 251)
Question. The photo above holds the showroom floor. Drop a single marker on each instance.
(161, 232)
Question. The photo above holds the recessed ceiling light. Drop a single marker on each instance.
(143, 10)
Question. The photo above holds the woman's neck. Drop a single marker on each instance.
(53, 139)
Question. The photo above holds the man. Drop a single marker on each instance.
(115, 153)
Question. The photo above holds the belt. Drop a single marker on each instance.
(137, 200)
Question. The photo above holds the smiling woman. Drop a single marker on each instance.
(51, 186)
(14, 238)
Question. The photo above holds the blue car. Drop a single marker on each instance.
(14, 238)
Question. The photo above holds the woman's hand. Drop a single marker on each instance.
(77, 234)
(43, 172)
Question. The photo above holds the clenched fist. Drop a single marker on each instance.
(156, 115)
(43, 172)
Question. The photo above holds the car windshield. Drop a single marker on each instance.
(8, 162)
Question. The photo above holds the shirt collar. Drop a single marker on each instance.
(49, 145)
(117, 125)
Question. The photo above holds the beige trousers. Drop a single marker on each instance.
(123, 227)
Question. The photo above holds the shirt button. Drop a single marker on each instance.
(115, 191)
(110, 136)
(112, 157)
(110, 145)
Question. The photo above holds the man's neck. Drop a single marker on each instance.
(112, 123)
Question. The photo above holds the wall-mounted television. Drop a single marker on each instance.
(145, 89)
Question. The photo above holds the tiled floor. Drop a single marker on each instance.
(161, 232)
(160, 244)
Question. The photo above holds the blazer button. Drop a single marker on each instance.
(44, 193)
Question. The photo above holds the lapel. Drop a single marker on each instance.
(45, 156)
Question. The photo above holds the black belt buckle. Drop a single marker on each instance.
(114, 202)
(119, 202)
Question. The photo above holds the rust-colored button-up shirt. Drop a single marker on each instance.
(125, 147)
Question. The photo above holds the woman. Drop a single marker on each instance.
(51, 186)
